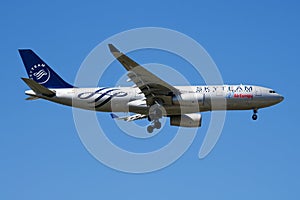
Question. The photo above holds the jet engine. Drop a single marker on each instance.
(187, 120)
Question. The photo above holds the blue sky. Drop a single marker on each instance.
(253, 42)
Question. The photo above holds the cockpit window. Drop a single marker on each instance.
(272, 91)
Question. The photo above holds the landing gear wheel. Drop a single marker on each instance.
(254, 116)
(157, 124)
(150, 129)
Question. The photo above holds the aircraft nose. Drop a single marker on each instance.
(280, 98)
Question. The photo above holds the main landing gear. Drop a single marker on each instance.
(156, 124)
(254, 116)
(155, 113)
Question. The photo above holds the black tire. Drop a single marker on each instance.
(254, 117)
(150, 129)
(157, 124)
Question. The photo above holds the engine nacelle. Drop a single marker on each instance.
(187, 120)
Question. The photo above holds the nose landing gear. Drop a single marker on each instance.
(254, 116)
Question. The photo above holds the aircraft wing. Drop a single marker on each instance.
(129, 118)
(155, 89)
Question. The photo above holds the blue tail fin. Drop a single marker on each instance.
(114, 116)
(40, 72)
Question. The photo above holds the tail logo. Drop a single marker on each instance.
(39, 73)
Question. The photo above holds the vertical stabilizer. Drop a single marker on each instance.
(40, 72)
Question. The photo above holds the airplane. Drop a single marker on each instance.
(150, 98)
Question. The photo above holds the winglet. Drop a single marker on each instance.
(116, 52)
(128, 63)
(114, 116)
(113, 49)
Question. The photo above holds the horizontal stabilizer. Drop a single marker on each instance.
(32, 98)
(37, 88)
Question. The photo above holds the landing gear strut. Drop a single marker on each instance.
(254, 116)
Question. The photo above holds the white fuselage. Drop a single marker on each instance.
(130, 99)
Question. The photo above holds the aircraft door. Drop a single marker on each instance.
(220, 91)
(257, 91)
(200, 98)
